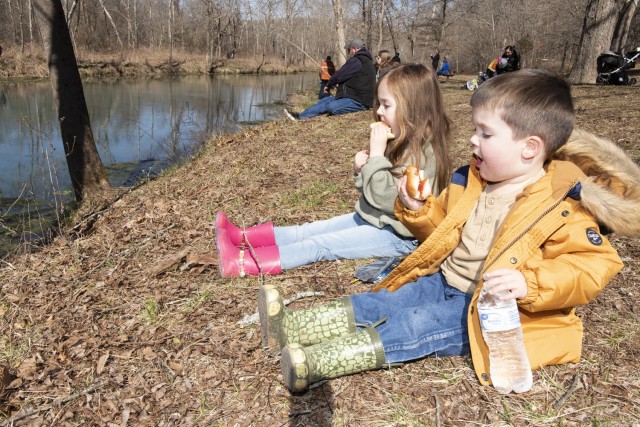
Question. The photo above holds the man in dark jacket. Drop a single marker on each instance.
(354, 83)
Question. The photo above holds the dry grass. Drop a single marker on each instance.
(132, 325)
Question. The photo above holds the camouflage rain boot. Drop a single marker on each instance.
(281, 326)
(358, 352)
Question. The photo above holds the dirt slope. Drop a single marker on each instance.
(131, 325)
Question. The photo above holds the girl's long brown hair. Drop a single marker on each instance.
(421, 117)
(385, 59)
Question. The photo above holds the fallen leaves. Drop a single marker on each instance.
(74, 313)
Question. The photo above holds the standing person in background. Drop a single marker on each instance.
(354, 83)
(435, 60)
(327, 69)
(383, 63)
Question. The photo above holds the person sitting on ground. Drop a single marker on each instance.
(509, 60)
(444, 69)
(327, 69)
(354, 83)
(409, 102)
(491, 69)
(383, 63)
(521, 221)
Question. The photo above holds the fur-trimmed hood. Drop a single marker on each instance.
(611, 191)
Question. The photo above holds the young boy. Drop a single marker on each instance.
(521, 220)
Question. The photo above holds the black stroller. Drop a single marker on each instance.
(612, 67)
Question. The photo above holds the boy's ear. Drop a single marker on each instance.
(533, 147)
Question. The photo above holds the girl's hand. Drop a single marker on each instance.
(507, 282)
(378, 139)
(360, 160)
(408, 201)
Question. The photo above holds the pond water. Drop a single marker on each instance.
(140, 126)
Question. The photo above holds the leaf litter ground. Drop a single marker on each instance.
(131, 324)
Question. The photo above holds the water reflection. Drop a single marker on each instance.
(132, 121)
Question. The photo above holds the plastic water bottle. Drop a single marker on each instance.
(508, 363)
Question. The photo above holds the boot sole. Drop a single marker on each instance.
(219, 220)
(295, 371)
(221, 255)
(269, 306)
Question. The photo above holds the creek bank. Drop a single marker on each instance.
(34, 66)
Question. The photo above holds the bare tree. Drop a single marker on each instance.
(623, 25)
(470, 32)
(597, 30)
(87, 172)
(341, 39)
(380, 9)
(113, 24)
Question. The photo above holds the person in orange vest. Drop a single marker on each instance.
(326, 71)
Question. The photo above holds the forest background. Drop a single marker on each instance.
(296, 34)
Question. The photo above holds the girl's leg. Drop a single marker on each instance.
(362, 241)
(296, 233)
(426, 317)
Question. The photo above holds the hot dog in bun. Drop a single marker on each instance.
(417, 186)
(390, 134)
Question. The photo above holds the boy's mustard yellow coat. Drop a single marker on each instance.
(552, 235)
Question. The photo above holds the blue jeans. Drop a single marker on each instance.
(425, 317)
(333, 106)
(346, 236)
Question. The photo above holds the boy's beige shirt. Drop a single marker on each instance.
(462, 267)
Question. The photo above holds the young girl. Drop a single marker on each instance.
(409, 102)
(383, 63)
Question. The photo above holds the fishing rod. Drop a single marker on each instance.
(300, 49)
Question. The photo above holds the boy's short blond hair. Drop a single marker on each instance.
(533, 102)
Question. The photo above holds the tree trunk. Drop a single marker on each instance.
(622, 25)
(380, 11)
(337, 12)
(170, 25)
(597, 29)
(88, 176)
(30, 8)
(21, 9)
(113, 24)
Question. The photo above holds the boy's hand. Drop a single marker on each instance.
(408, 201)
(378, 139)
(507, 282)
(360, 160)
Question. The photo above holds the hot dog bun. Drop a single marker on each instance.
(390, 134)
(417, 186)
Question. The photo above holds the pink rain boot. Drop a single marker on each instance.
(238, 262)
(256, 236)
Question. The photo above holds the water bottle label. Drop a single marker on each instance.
(499, 319)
